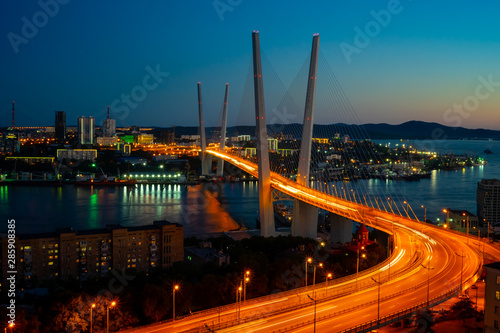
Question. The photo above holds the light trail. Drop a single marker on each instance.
(436, 247)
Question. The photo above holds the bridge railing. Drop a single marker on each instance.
(321, 297)
(294, 292)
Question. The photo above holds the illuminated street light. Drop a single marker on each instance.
(91, 308)
(357, 264)
(447, 216)
(425, 213)
(462, 269)
(463, 214)
(110, 305)
(314, 300)
(314, 274)
(246, 279)
(378, 302)
(328, 276)
(174, 289)
(11, 325)
(238, 298)
(428, 278)
(308, 261)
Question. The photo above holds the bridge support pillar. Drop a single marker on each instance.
(305, 216)
(305, 220)
(206, 166)
(206, 161)
(266, 213)
(340, 229)
(222, 146)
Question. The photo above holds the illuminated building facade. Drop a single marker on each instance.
(86, 130)
(92, 253)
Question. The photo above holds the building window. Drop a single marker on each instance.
(498, 279)
(497, 309)
(495, 324)
(497, 295)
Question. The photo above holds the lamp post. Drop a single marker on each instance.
(447, 211)
(110, 305)
(357, 264)
(11, 325)
(308, 261)
(328, 276)
(425, 213)
(246, 279)
(174, 289)
(461, 269)
(467, 226)
(91, 308)
(378, 301)
(314, 300)
(239, 303)
(428, 278)
(314, 274)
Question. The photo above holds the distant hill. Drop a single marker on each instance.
(417, 130)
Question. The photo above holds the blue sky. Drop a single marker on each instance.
(419, 63)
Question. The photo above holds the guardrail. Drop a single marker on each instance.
(377, 323)
(234, 322)
(286, 293)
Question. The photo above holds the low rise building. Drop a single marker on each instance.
(77, 154)
(204, 253)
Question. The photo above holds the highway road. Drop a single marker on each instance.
(426, 260)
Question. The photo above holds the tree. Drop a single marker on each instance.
(463, 309)
(155, 302)
(74, 315)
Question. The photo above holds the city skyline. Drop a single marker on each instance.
(396, 61)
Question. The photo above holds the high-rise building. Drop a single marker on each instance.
(167, 137)
(60, 126)
(86, 129)
(108, 127)
(488, 200)
(492, 298)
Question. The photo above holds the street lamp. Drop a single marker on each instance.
(462, 269)
(314, 300)
(328, 276)
(239, 303)
(246, 279)
(91, 308)
(425, 213)
(357, 264)
(11, 325)
(110, 305)
(174, 289)
(428, 277)
(463, 214)
(378, 301)
(447, 211)
(314, 274)
(308, 261)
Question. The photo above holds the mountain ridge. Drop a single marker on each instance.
(413, 129)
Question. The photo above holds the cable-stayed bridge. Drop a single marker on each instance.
(428, 264)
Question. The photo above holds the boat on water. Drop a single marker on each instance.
(487, 151)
